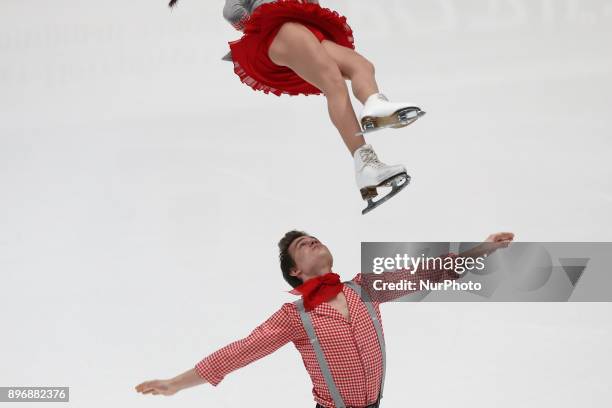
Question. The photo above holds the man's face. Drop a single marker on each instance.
(311, 257)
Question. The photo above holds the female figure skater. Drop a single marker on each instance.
(297, 47)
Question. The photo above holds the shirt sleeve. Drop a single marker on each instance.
(263, 340)
(434, 272)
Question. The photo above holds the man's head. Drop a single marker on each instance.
(303, 257)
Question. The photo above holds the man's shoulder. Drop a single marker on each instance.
(290, 313)
(289, 308)
(285, 315)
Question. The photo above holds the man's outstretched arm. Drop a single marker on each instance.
(266, 338)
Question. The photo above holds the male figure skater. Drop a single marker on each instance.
(344, 352)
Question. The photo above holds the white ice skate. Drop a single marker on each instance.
(378, 113)
(371, 173)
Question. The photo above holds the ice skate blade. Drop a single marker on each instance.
(397, 184)
(399, 119)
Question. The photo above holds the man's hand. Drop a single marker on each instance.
(490, 245)
(500, 237)
(156, 387)
(498, 240)
(188, 379)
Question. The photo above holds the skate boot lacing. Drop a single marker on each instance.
(382, 97)
(369, 158)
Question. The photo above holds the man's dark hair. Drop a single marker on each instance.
(286, 261)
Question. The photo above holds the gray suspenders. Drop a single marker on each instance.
(307, 322)
(331, 385)
(377, 326)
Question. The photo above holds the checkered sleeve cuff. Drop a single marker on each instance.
(205, 371)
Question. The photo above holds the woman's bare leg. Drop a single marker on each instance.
(297, 48)
(355, 67)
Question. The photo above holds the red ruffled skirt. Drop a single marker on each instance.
(250, 53)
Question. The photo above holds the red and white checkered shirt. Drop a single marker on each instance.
(350, 347)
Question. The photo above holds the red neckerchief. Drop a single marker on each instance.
(318, 290)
